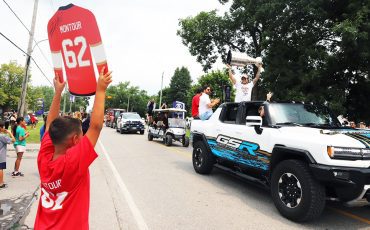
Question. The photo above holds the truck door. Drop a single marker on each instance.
(253, 147)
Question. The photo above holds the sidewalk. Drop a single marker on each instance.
(17, 198)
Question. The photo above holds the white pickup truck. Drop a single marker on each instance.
(299, 151)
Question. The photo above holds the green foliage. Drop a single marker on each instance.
(180, 86)
(80, 102)
(11, 76)
(312, 50)
(35, 92)
(123, 93)
(217, 80)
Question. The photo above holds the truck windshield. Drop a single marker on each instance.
(130, 116)
(302, 114)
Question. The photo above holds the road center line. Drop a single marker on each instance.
(130, 201)
(350, 215)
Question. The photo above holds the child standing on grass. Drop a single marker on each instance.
(63, 161)
(20, 135)
(6, 137)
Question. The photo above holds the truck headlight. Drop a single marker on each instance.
(345, 153)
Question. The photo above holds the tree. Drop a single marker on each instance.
(217, 80)
(36, 92)
(11, 76)
(312, 50)
(124, 96)
(80, 102)
(180, 86)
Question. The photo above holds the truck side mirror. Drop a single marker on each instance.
(253, 121)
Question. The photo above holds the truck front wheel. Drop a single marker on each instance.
(296, 194)
(203, 160)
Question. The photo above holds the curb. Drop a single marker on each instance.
(24, 203)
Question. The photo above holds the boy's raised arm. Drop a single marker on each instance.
(55, 104)
(97, 115)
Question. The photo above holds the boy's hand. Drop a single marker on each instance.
(58, 86)
(104, 80)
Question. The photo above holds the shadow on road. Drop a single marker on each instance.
(255, 196)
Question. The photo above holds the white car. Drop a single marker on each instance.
(130, 123)
(299, 151)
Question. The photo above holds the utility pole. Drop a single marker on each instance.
(128, 102)
(160, 97)
(22, 100)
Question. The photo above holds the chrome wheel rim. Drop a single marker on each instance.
(290, 190)
(198, 157)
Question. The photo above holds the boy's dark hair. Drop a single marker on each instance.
(2, 124)
(61, 127)
(199, 90)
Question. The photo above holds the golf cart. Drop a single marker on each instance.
(115, 115)
(169, 125)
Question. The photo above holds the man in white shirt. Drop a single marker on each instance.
(243, 87)
(205, 104)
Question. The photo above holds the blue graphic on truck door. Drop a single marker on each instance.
(243, 152)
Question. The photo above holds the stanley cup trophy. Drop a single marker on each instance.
(242, 59)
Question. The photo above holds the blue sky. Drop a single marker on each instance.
(139, 36)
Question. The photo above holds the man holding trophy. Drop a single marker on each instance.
(243, 87)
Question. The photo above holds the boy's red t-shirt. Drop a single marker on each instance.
(65, 186)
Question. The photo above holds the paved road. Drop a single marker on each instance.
(153, 186)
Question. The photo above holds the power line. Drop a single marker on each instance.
(15, 14)
(34, 61)
(41, 71)
(13, 43)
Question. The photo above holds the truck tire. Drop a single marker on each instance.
(142, 132)
(150, 137)
(185, 141)
(121, 131)
(296, 194)
(203, 160)
(168, 140)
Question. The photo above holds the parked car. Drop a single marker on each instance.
(299, 151)
(130, 123)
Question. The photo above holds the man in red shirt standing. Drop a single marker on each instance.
(63, 162)
(195, 104)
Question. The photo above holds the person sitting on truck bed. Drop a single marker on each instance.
(206, 104)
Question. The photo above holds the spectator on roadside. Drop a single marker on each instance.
(243, 87)
(13, 118)
(195, 103)
(33, 121)
(42, 129)
(164, 105)
(150, 107)
(64, 159)
(6, 137)
(78, 115)
(7, 120)
(206, 104)
(20, 144)
(85, 123)
(362, 125)
(352, 124)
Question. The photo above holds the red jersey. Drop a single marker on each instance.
(65, 186)
(195, 105)
(73, 32)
